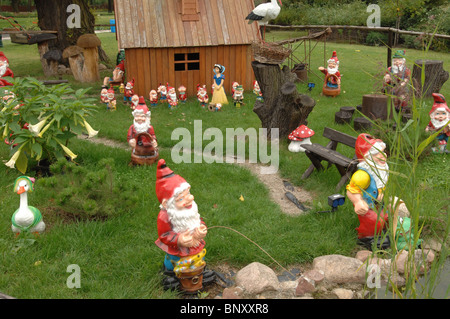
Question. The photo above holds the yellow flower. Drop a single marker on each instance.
(89, 129)
(12, 162)
(46, 128)
(36, 128)
(68, 152)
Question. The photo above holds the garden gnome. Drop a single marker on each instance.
(141, 124)
(257, 91)
(172, 97)
(162, 90)
(134, 101)
(218, 107)
(118, 73)
(111, 99)
(366, 188)
(104, 95)
(153, 96)
(202, 95)
(181, 230)
(439, 119)
(5, 70)
(332, 69)
(128, 92)
(396, 80)
(182, 93)
(233, 87)
(238, 96)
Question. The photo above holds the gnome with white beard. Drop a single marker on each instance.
(439, 119)
(366, 189)
(396, 81)
(332, 69)
(141, 124)
(5, 70)
(181, 230)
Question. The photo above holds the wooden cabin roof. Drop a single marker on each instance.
(173, 23)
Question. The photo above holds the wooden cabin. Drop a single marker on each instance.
(179, 41)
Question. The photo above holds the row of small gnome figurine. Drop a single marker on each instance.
(168, 94)
(439, 122)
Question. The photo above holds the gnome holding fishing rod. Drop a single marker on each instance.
(181, 230)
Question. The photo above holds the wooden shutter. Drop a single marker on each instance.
(189, 10)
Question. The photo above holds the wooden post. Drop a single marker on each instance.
(390, 44)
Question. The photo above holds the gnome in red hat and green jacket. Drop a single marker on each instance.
(396, 81)
(181, 230)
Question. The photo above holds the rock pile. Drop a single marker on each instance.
(331, 277)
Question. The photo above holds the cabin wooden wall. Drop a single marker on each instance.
(152, 66)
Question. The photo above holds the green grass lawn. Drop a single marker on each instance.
(118, 257)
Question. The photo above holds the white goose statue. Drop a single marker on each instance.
(264, 13)
(26, 218)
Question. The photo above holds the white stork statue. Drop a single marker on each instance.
(263, 13)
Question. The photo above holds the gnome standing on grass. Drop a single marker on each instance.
(181, 230)
(141, 124)
(439, 119)
(332, 69)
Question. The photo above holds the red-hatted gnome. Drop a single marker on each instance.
(182, 94)
(332, 69)
(162, 91)
(202, 95)
(128, 92)
(111, 99)
(118, 74)
(396, 81)
(104, 95)
(257, 91)
(5, 70)
(439, 119)
(366, 189)
(134, 101)
(153, 97)
(172, 98)
(181, 230)
(141, 124)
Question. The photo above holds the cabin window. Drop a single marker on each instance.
(187, 61)
(189, 10)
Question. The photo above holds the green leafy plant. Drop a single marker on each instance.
(39, 121)
(88, 193)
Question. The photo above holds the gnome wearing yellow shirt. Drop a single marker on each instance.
(367, 184)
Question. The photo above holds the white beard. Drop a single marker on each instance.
(378, 172)
(3, 69)
(332, 70)
(184, 219)
(173, 96)
(396, 69)
(141, 128)
(438, 124)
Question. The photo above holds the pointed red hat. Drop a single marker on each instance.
(439, 103)
(167, 182)
(364, 143)
(334, 58)
(141, 107)
(3, 57)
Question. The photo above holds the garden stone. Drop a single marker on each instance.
(315, 275)
(232, 293)
(304, 286)
(342, 293)
(256, 278)
(363, 255)
(340, 269)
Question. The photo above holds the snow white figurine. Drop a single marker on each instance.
(219, 79)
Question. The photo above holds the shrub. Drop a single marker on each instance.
(376, 38)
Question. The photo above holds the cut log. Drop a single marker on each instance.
(283, 107)
(375, 106)
(361, 124)
(348, 109)
(342, 117)
(435, 77)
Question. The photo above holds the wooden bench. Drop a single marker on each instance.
(318, 153)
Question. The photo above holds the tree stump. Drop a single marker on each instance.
(348, 109)
(283, 107)
(342, 117)
(361, 124)
(435, 77)
(375, 106)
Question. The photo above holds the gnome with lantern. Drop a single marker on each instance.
(439, 119)
(181, 230)
(300, 136)
(111, 99)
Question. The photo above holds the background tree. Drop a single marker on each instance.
(52, 15)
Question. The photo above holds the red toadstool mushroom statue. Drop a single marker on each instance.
(301, 135)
